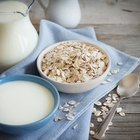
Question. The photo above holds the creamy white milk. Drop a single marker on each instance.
(11, 6)
(23, 102)
(18, 37)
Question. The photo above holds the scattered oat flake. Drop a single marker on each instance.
(109, 95)
(122, 114)
(109, 80)
(114, 98)
(110, 105)
(104, 108)
(60, 107)
(71, 107)
(99, 119)
(109, 74)
(104, 82)
(107, 127)
(75, 126)
(104, 116)
(94, 110)
(71, 111)
(119, 109)
(108, 102)
(97, 113)
(66, 109)
(110, 123)
(115, 94)
(70, 117)
(103, 135)
(91, 132)
(114, 101)
(98, 103)
(115, 71)
(58, 118)
(66, 105)
(91, 125)
(72, 102)
(108, 98)
(119, 63)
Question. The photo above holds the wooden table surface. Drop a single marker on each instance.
(118, 25)
(127, 39)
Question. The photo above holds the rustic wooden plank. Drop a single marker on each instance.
(100, 12)
(128, 119)
(117, 29)
(122, 137)
(126, 40)
(130, 107)
(123, 131)
(129, 44)
(124, 127)
(123, 121)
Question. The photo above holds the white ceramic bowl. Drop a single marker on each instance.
(74, 87)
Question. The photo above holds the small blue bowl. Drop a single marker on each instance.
(22, 129)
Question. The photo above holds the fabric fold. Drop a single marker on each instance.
(51, 33)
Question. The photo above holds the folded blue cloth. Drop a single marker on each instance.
(51, 33)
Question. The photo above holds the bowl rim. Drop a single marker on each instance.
(31, 78)
(49, 48)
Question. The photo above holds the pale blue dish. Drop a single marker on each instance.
(22, 129)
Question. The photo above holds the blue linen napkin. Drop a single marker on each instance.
(51, 33)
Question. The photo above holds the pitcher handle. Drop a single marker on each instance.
(42, 4)
(30, 6)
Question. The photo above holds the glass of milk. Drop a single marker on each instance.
(18, 37)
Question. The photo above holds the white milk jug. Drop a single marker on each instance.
(64, 12)
(18, 37)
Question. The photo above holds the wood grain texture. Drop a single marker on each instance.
(127, 40)
(99, 12)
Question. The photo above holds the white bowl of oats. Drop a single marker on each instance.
(74, 66)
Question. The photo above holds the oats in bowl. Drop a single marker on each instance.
(73, 63)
